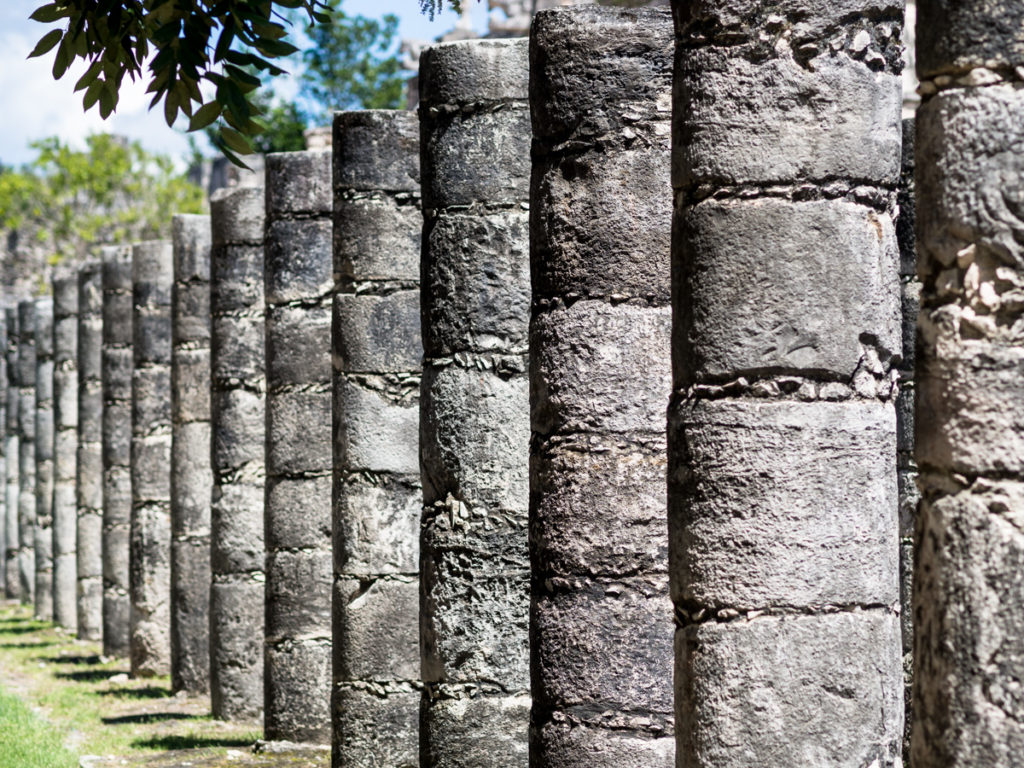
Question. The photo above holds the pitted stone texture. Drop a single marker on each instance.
(298, 426)
(376, 150)
(474, 71)
(8, 532)
(817, 490)
(378, 334)
(376, 727)
(386, 542)
(600, 367)
(791, 690)
(298, 183)
(191, 472)
(461, 730)
(793, 320)
(377, 236)
(298, 259)
(968, 34)
(237, 425)
(299, 667)
(117, 365)
(378, 433)
(298, 342)
(12, 481)
(26, 371)
(379, 645)
(582, 744)
(44, 459)
(65, 448)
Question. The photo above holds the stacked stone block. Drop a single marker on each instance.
(6, 529)
(784, 534)
(11, 451)
(44, 458)
(601, 621)
(89, 461)
(150, 540)
(474, 404)
(27, 449)
(969, 544)
(238, 390)
(191, 475)
(376, 489)
(298, 285)
(65, 448)
(117, 435)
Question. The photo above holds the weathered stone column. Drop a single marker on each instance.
(475, 404)
(117, 438)
(27, 449)
(601, 624)
(44, 458)
(7, 588)
(969, 542)
(191, 475)
(89, 464)
(11, 450)
(784, 532)
(238, 390)
(150, 561)
(65, 447)
(298, 280)
(377, 493)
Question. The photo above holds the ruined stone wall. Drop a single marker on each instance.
(117, 365)
(377, 499)
(474, 404)
(298, 288)
(600, 213)
(65, 448)
(191, 474)
(44, 458)
(237, 403)
(89, 461)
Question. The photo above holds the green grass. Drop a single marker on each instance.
(27, 741)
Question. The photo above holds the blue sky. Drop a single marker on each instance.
(33, 106)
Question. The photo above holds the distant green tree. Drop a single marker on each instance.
(114, 191)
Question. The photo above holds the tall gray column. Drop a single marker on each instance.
(27, 449)
(601, 623)
(238, 391)
(298, 281)
(11, 450)
(117, 438)
(44, 458)
(89, 463)
(6, 529)
(150, 540)
(784, 533)
(65, 448)
(969, 542)
(475, 404)
(377, 494)
(191, 475)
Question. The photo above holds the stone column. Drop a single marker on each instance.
(238, 389)
(969, 542)
(65, 447)
(44, 458)
(89, 465)
(784, 531)
(475, 404)
(117, 434)
(601, 624)
(150, 559)
(377, 493)
(191, 475)
(298, 281)
(11, 450)
(27, 449)
(6, 529)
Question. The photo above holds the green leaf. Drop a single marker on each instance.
(63, 59)
(50, 13)
(235, 141)
(205, 116)
(47, 42)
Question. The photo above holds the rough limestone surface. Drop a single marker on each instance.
(117, 364)
(89, 461)
(11, 443)
(8, 533)
(377, 495)
(600, 218)
(298, 288)
(782, 443)
(237, 415)
(65, 449)
(27, 449)
(474, 405)
(191, 475)
(44, 458)
(150, 539)
(968, 600)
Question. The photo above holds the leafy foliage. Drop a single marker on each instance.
(114, 191)
(214, 42)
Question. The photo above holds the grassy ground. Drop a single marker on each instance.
(63, 704)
